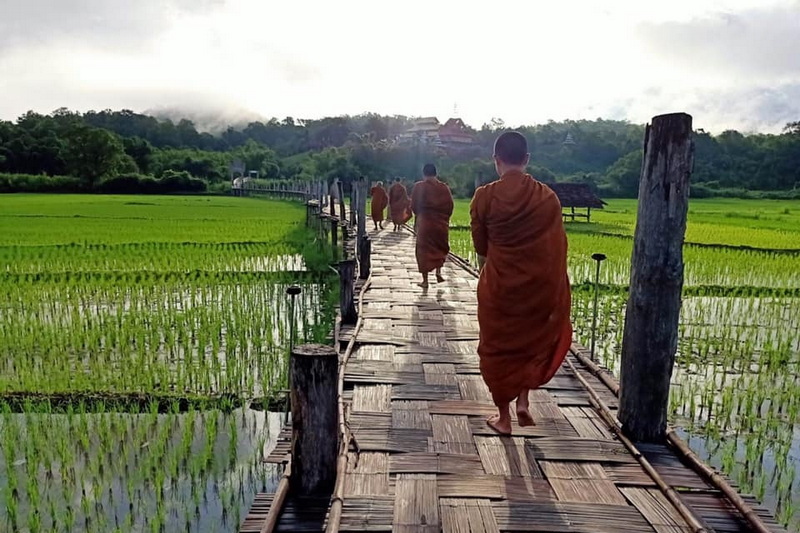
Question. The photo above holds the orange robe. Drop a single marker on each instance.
(399, 204)
(432, 204)
(523, 291)
(379, 202)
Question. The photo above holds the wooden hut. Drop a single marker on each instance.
(576, 196)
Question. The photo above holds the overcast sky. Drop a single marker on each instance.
(729, 63)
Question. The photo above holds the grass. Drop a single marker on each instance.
(134, 333)
(735, 393)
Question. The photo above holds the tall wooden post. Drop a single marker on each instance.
(315, 436)
(353, 203)
(650, 337)
(362, 207)
(342, 213)
(334, 235)
(347, 305)
(364, 255)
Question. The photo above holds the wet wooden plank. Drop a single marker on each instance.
(655, 507)
(473, 388)
(416, 503)
(410, 414)
(569, 517)
(581, 482)
(467, 516)
(367, 474)
(495, 487)
(587, 423)
(451, 434)
(367, 514)
(504, 456)
(578, 449)
(375, 398)
(439, 373)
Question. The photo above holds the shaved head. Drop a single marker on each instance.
(511, 148)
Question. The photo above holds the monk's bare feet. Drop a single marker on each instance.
(502, 427)
(524, 417)
(439, 278)
(423, 284)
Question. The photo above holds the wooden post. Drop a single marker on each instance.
(315, 437)
(364, 253)
(342, 213)
(362, 208)
(347, 304)
(589, 214)
(650, 338)
(353, 203)
(334, 234)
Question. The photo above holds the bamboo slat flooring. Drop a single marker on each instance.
(422, 458)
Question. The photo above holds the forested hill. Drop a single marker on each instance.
(96, 147)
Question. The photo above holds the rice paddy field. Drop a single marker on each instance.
(735, 394)
(140, 338)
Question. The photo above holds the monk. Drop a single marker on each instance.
(399, 204)
(379, 202)
(432, 204)
(523, 290)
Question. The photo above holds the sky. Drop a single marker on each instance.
(731, 64)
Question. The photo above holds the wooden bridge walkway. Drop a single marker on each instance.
(422, 458)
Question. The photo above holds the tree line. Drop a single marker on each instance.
(123, 151)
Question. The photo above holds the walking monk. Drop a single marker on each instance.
(378, 204)
(523, 291)
(432, 204)
(399, 204)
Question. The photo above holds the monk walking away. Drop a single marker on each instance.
(399, 204)
(523, 290)
(432, 204)
(379, 202)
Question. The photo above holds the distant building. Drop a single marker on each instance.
(568, 140)
(451, 136)
(576, 195)
(423, 130)
(455, 135)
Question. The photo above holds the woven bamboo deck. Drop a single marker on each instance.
(422, 458)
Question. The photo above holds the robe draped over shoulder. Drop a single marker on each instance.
(379, 202)
(523, 290)
(432, 204)
(399, 204)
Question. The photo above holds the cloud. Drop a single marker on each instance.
(121, 25)
(750, 44)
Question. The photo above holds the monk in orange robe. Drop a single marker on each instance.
(432, 204)
(523, 290)
(379, 202)
(399, 204)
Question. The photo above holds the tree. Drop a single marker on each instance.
(92, 153)
(625, 173)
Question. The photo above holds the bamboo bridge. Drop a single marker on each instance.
(405, 446)
(419, 456)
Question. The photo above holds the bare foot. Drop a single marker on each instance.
(439, 278)
(501, 427)
(524, 418)
(423, 284)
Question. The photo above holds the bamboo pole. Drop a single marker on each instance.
(718, 481)
(337, 499)
(277, 502)
(694, 522)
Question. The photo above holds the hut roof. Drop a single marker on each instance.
(576, 195)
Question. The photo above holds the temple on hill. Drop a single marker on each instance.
(451, 136)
